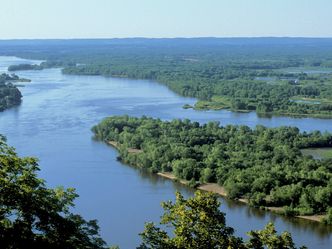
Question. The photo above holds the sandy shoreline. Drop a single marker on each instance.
(113, 143)
(172, 177)
(317, 218)
(116, 145)
(217, 189)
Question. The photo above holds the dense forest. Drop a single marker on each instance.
(35, 216)
(42, 65)
(243, 85)
(9, 94)
(263, 165)
(283, 76)
(237, 89)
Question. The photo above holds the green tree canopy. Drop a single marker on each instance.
(34, 216)
(267, 166)
(197, 222)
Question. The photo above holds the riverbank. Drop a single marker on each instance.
(107, 188)
(201, 105)
(117, 146)
(216, 103)
(217, 189)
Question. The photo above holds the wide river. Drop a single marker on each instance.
(53, 123)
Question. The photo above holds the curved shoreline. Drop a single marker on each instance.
(103, 196)
(217, 189)
(209, 104)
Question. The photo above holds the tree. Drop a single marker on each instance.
(268, 238)
(328, 218)
(264, 165)
(34, 216)
(198, 223)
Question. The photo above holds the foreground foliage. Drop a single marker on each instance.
(264, 165)
(34, 216)
(198, 223)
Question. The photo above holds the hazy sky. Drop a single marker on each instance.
(164, 18)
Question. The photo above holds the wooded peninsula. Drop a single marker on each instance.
(263, 165)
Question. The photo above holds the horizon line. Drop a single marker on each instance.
(175, 37)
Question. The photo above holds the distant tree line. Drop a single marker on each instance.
(234, 80)
(43, 65)
(205, 68)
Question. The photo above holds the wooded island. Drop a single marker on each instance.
(263, 165)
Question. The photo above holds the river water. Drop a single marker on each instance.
(53, 123)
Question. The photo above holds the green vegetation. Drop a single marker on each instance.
(232, 79)
(23, 67)
(259, 74)
(9, 94)
(198, 223)
(187, 106)
(216, 103)
(266, 166)
(328, 218)
(263, 165)
(34, 216)
(232, 86)
(318, 153)
(43, 65)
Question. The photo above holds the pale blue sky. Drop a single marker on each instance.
(164, 18)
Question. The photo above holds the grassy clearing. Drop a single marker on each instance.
(216, 103)
(318, 153)
(308, 70)
(311, 100)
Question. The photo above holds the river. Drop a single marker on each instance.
(53, 123)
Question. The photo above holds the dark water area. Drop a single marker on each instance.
(53, 123)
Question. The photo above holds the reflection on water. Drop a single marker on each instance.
(53, 123)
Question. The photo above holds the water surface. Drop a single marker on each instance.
(53, 123)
